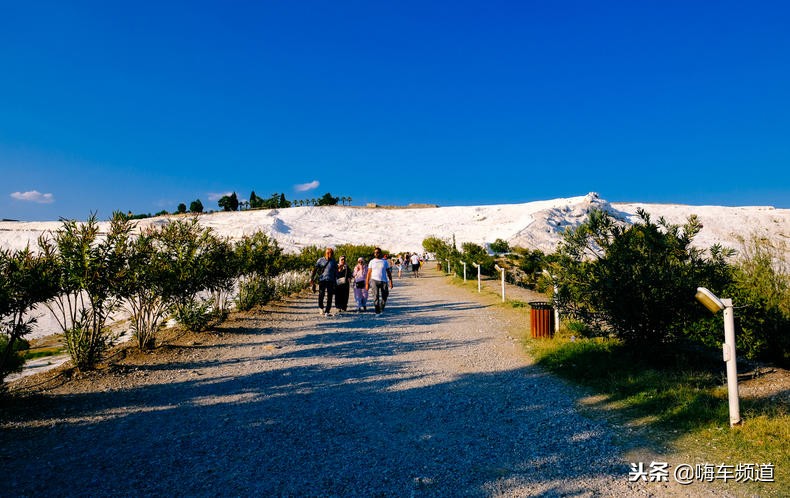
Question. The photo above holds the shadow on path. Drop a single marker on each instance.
(352, 405)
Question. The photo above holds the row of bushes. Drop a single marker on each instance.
(180, 269)
(637, 282)
(85, 277)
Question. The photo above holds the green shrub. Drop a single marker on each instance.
(26, 280)
(760, 290)
(195, 314)
(442, 251)
(254, 291)
(147, 286)
(636, 281)
(287, 283)
(13, 360)
(500, 246)
(198, 261)
(89, 285)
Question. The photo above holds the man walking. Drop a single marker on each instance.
(379, 275)
(326, 268)
(415, 265)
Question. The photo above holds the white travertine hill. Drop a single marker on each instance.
(536, 225)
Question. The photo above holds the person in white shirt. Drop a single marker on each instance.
(379, 275)
(415, 264)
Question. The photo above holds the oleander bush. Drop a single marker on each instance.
(198, 262)
(27, 280)
(91, 271)
(254, 291)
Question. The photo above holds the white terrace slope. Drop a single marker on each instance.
(537, 225)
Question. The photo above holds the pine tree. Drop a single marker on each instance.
(255, 201)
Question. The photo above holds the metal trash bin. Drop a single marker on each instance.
(541, 320)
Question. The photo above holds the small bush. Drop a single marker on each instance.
(500, 246)
(290, 282)
(254, 291)
(14, 361)
(195, 314)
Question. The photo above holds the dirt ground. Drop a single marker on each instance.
(435, 397)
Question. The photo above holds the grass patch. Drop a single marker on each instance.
(32, 354)
(679, 398)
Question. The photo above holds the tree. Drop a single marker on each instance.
(441, 249)
(196, 206)
(637, 282)
(258, 259)
(182, 208)
(27, 279)
(89, 284)
(327, 200)
(473, 253)
(283, 202)
(348, 199)
(200, 262)
(229, 202)
(255, 201)
(147, 286)
(500, 246)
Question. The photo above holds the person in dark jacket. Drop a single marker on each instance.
(344, 278)
(326, 271)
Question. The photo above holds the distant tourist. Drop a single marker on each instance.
(326, 269)
(379, 275)
(344, 276)
(415, 265)
(360, 292)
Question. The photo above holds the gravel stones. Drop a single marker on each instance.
(432, 398)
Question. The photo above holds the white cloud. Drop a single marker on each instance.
(33, 196)
(213, 196)
(304, 187)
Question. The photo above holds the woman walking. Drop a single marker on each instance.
(343, 284)
(360, 293)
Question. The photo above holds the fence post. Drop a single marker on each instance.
(502, 271)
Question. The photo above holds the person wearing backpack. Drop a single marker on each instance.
(326, 271)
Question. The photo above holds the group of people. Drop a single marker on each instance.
(336, 278)
(409, 261)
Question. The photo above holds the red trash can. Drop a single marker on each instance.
(541, 320)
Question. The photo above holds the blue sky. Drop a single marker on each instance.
(141, 105)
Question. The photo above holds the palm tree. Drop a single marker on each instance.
(349, 200)
(343, 200)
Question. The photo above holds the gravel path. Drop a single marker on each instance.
(433, 398)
